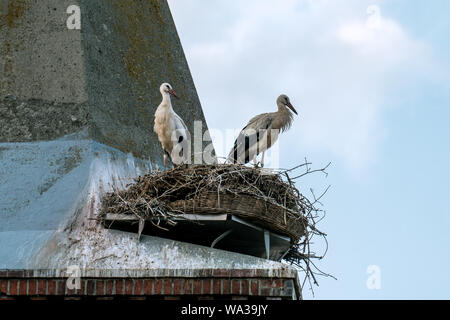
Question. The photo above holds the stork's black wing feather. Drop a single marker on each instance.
(255, 125)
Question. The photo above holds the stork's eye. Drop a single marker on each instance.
(168, 87)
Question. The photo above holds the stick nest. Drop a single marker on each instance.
(270, 200)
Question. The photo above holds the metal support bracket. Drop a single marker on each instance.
(267, 243)
(223, 235)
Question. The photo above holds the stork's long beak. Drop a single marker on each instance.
(173, 93)
(292, 108)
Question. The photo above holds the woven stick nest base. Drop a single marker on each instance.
(258, 211)
(266, 200)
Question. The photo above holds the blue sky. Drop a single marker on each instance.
(372, 91)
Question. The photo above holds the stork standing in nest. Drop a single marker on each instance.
(261, 132)
(171, 130)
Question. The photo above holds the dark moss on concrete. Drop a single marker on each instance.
(31, 120)
(11, 12)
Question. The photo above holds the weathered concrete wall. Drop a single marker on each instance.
(40, 58)
(76, 118)
(131, 47)
(43, 92)
(106, 76)
(37, 119)
(41, 183)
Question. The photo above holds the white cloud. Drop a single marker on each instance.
(337, 63)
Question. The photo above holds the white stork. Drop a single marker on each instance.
(261, 132)
(171, 130)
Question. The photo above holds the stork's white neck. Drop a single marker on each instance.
(166, 100)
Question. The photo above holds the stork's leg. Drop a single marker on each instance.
(165, 159)
(262, 159)
(255, 161)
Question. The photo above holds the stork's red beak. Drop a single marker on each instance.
(292, 108)
(173, 93)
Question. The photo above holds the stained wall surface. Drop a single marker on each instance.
(76, 119)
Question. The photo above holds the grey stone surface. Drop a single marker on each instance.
(131, 47)
(36, 119)
(105, 77)
(40, 182)
(39, 57)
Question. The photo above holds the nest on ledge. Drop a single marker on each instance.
(268, 199)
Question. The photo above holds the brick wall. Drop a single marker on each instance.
(201, 284)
